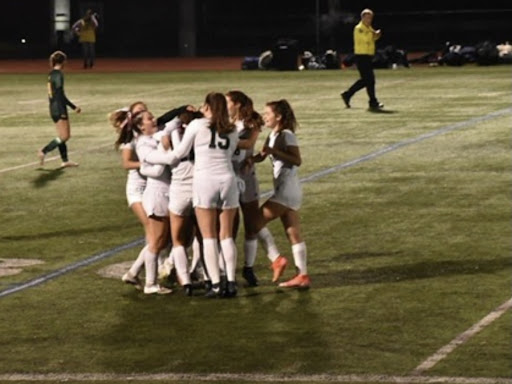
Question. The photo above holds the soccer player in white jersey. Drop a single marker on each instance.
(215, 191)
(249, 124)
(283, 149)
(181, 208)
(155, 200)
(135, 182)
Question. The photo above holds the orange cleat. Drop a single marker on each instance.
(278, 266)
(299, 281)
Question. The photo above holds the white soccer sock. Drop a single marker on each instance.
(138, 263)
(267, 240)
(222, 263)
(229, 251)
(151, 265)
(211, 259)
(196, 254)
(250, 251)
(181, 263)
(170, 259)
(300, 257)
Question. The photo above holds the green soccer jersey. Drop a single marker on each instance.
(56, 95)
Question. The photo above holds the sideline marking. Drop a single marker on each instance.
(314, 176)
(462, 338)
(71, 267)
(252, 377)
(46, 160)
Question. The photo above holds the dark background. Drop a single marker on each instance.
(249, 27)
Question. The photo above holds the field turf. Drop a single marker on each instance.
(406, 215)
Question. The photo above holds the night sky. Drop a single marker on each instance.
(223, 27)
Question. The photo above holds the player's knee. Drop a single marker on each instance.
(293, 235)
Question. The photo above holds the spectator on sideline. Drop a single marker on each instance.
(85, 28)
(364, 50)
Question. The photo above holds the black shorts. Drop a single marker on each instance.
(59, 116)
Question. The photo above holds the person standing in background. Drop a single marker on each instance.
(85, 28)
(364, 50)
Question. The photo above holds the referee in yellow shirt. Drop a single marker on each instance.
(364, 50)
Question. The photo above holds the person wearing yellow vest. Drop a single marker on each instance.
(85, 28)
(364, 50)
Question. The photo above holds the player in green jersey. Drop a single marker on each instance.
(58, 110)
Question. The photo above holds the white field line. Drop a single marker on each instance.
(89, 102)
(46, 160)
(252, 377)
(462, 338)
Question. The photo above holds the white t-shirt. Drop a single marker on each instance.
(183, 173)
(212, 153)
(158, 175)
(134, 177)
(290, 140)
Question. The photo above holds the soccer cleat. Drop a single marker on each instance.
(41, 155)
(278, 266)
(187, 289)
(158, 289)
(128, 278)
(213, 292)
(250, 277)
(299, 281)
(69, 164)
(230, 290)
(346, 99)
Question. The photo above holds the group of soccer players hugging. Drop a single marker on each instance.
(192, 181)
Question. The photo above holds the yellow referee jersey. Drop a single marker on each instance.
(364, 40)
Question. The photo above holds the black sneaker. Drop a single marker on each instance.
(250, 277)
(376, 106)
(346, 99)
(207, 285)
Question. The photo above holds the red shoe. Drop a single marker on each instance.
(299, 281)
(278, 266)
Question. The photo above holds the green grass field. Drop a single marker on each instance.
(406, 215)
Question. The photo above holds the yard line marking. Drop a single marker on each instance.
(253, 377)
(71, 267)
(89, 102)
(46, 160)
(306, 179)
(463, 338)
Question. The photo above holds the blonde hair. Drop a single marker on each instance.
(366, 11)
